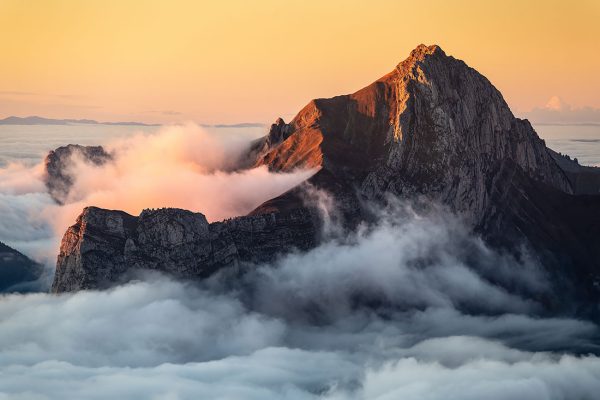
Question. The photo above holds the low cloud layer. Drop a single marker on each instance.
(413, 307)
(178, 166)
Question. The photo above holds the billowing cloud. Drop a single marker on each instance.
(296, 330)
(411, 306)
(178, 166)
(542, 377)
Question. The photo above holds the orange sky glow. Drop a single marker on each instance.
(241, 61)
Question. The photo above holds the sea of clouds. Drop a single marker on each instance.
(300, 328)
(412, 306)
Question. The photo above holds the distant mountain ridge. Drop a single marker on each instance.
(36, 120)
(17, 271)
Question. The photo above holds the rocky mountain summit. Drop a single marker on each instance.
(433, 128)
(59, 164)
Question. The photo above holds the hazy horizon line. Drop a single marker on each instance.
(39, 120)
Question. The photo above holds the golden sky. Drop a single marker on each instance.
(232, 61)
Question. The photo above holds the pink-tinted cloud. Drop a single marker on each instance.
(178, 166)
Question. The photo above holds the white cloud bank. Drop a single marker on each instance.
(436, 328)
(447, 318)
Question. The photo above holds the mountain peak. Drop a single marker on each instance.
(420, 54)
(421, 128)
(422, 51)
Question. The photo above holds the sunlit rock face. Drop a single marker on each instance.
(59, 164)
(451, 131)
(432, 128)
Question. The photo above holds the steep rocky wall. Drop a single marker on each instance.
(452, 126)
(105, 247)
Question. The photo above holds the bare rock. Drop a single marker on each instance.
(105, 247)
(59, 164)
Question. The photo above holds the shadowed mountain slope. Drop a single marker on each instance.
(17, 272)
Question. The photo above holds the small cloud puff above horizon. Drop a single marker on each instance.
(557, 111)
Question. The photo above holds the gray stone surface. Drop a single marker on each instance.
(59, 164)
(105, 247)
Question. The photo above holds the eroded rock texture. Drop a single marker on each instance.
(59, 164)
(105, 247)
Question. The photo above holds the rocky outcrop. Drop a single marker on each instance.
(59, 164)
(584, 180)
(105, 247)
(17, 272)
(433, 128)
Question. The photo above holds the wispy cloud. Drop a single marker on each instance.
(16, 93)
(164, 112)
(36, 94)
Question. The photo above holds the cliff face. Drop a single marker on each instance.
(105, 247)
(432, 127)
(59, 163)
(452, 127)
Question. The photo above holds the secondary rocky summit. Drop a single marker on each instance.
(60, 163)
(432, 127)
